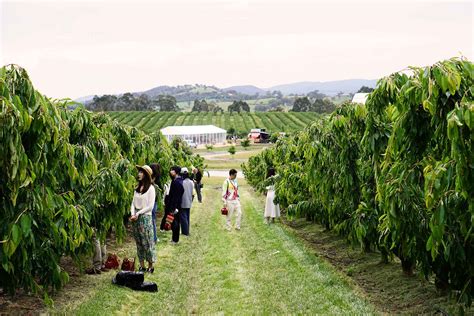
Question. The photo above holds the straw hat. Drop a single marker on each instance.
(146, 169)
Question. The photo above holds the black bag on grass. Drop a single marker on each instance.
(135, 281)
(148, 287)
(129, 278)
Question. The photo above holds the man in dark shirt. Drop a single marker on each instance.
(197, 178)
(174, 200)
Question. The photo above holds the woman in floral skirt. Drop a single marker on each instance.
(142, 224)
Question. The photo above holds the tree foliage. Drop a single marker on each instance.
(132, 102)
(239, 106)
(301, 105)
(319, 105)
(395, 174)
(365, 89)
(63, 173)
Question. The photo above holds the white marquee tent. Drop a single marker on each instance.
(199, 134)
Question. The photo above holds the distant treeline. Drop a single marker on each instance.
(312, 102)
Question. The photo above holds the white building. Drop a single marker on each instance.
(199, 134)
(360, 98)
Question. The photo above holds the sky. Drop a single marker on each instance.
(73, 49)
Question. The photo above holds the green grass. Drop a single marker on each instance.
(243, 122)
(258, 270)
(384, 283)
(224, 164)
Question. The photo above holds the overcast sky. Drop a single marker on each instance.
(73, 48)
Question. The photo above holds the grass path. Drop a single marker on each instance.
(260, 269)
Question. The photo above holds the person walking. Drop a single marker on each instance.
(142, 225)
(197, 179)
(175, 197)
(186, 202)
(230, 197)
(272, 209)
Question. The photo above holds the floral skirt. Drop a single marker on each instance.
(142, 230)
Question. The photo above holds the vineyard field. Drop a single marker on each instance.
(241, 122)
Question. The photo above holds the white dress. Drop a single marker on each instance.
(271, 210)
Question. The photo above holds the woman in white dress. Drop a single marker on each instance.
(272, 210)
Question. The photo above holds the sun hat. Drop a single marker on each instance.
(146, 169)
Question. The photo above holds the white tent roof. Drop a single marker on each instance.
(192, 130)
(360, 98)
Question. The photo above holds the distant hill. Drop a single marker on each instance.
(84, 99)
(248, 89)
(181, 90)
(246, 92)
(328, 88)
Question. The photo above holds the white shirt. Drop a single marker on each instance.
(143, 204)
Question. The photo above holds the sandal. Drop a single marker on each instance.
(151, 270)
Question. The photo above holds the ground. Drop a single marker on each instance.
(220, 159)
(260, 269)
(284, 268)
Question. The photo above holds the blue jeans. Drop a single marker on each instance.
(184, 219)
(153, 216)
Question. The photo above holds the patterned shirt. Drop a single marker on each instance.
(230, 190)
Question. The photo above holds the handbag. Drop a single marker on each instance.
(224, 211)
(135, 281)
(112, 262)
(128, 265)
(169, 221)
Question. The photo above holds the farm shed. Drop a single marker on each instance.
(199, 134)
(360, 98)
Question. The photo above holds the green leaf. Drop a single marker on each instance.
(25, 222)
(442, 212)
(429, 244)
(16, 234)
(467, 119)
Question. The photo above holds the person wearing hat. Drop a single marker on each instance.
(186, 202)
(174, 200)
(142, 224)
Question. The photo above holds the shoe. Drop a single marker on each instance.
(162, 230)
(93, 271)
(104, 269)
(174, 242)
(142, 269)
(228, 228)
(237, 228)
(150, 270)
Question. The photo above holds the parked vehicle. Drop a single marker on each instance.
(258, 135)
(191, 143)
